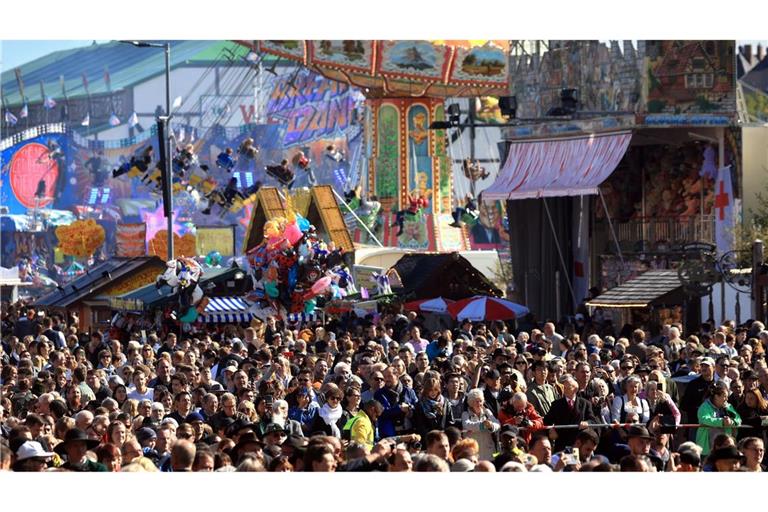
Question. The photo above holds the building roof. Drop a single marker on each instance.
(94, 280)
(127, 66)
(757, 77)
(449, 275)
(655, 287)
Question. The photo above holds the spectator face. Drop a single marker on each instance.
(403, 461)
(440, 447)
(540, 374)
(542, 450)
(639, 445)
(390, 378)
(163, 369)
(477, 405)
(229, 406)
(326, 464)
(140, 381)
(706, 372)
(754, 453)
(719, 399)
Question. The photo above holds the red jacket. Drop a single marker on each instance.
(536, 421)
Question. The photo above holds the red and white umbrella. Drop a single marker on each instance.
(480, 308)
(436, 305)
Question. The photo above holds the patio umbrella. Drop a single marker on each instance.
(480, 307)
(436, 305)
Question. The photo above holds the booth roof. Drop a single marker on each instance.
(655, 287)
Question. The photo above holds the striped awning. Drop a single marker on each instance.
(570, 166)
(224, 310)
(302, 317)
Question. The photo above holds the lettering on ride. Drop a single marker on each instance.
(316, 108)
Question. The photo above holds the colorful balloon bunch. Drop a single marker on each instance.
(292, 268)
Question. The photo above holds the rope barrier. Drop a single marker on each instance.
(627, 425)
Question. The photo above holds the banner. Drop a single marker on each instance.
(216, 238)
(724, 221)
(130, 240)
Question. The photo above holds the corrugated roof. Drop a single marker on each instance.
(127, 66)
(96, 278)
(646, 289)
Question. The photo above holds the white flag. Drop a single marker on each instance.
(114, 120)
(86, 120)
(133, 120)
(182, 134)
(723, 210)
(24, 112)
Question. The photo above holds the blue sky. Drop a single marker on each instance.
(16, 53)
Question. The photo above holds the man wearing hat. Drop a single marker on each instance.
(726, 459)
(274, 435)
(639, 443)
(30, 456)
(75, 446)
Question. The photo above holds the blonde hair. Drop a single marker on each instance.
(140, 465)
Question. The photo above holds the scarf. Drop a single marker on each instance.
(432, 408)
(330, 416)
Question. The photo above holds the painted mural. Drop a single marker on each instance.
(686, 77)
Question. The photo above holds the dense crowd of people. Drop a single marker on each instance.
(379, 394)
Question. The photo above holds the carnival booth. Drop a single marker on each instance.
(655, 298)
(88, 295)
(221, 286)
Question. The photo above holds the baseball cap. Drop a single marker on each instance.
(194, 416)
(32, 449)
(708, 361)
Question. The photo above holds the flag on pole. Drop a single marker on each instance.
(86, 120)
(182, 134)
(133, 120)
(10, 118)
(49, 103)
(24, 112)
(114, 120)
(724, 221)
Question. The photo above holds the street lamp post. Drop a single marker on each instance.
(166, 120)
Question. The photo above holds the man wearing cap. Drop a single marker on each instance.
(274, 435)
(75, 446)
(196, 420)
(30, 456)
(492, 380)
(697, 390)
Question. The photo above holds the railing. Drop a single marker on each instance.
(672, 230)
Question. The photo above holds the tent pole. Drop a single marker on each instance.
(560, 252)
(613, 231)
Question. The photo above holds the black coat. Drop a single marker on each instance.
(561, 414)
(491, 402)
(694, 397)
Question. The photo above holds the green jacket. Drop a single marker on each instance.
(709, 415)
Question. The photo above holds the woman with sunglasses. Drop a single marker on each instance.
(329, 415)
(350, 405)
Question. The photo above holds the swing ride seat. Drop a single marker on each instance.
(281, 174)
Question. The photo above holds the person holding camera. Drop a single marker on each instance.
(718, 413)
(399, 402)
(480, 424)
(515, 410)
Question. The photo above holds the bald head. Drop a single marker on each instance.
(183, 455)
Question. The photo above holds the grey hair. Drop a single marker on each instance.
(474, 394)
(277, 404)
(634, 378)
(519, 397)
(568, 377)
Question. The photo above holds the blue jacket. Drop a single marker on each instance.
(393, 421)
(303, 416)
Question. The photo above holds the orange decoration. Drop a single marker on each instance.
(81, 238)
(182, 245)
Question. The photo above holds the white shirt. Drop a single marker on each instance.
(135, 395)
